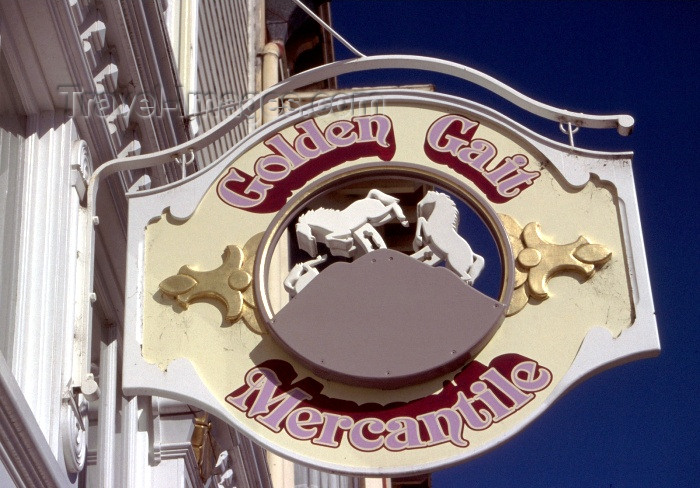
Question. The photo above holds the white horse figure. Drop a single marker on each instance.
(302, 274)
(349, 232)
(437, 238)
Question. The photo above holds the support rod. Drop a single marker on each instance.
(330, 29)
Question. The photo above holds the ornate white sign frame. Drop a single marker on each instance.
(599, 350)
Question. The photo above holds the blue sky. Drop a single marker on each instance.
(634, 425)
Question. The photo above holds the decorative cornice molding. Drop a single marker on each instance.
(76, 62)
(23, 448)
(146, 61)
(15, 60)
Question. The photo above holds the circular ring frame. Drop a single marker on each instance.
(377, 171)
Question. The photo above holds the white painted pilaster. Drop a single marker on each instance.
(42, 307)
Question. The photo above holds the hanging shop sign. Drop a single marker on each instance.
(388, 285)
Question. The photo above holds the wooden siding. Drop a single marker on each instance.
(222, 66)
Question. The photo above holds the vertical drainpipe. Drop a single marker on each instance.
(281, 470)
(253, 44)
(107, 407)
(191, 54)
(271, 54)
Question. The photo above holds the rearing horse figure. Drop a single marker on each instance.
(437, 238)
(349, 232)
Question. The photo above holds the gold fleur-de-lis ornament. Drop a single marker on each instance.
(538, 260)
(230, 284)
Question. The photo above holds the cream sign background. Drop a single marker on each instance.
(197, 356)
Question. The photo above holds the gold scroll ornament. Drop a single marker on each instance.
(229, 284)
(538, 260)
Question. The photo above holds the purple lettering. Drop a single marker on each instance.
(273, 397)
(513, 185)
(332, 423)
(284, 149)
(272, 167)
(482, 392)
(449, 141)
(312, 153)
(535, 378)
(263, 385)
(518, 398)
(477, 154)
(289, 401)
(472, 417)
(403, 433)
(357, 437)
(440, 133)
(382, 123)
(253, 194)
(340, 133)
(431, 420)
(299, 428)
(310, 142)
(507, 166)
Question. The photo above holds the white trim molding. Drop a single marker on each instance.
(24, 451)
(43, 274)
